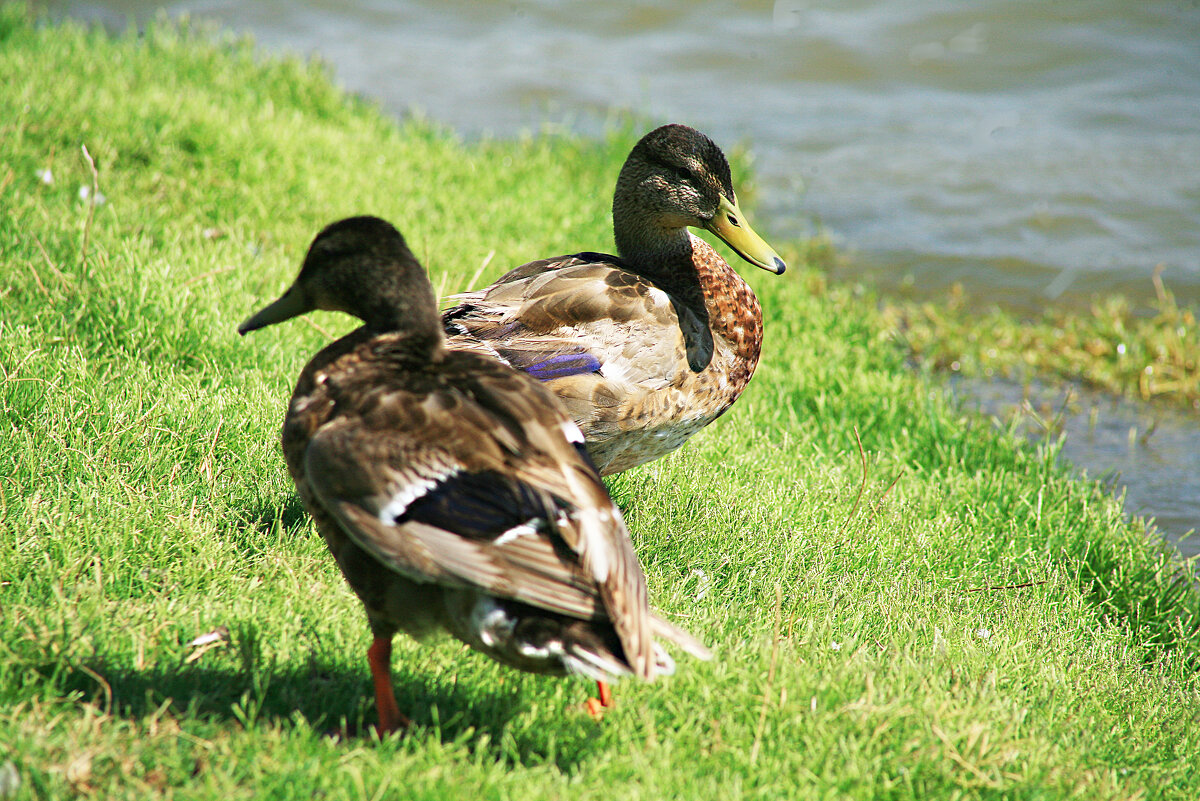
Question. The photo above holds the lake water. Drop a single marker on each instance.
(1034, 152)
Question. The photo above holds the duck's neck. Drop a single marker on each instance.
(408, 312)
(419, 346)
(658, 252)
(687, 268)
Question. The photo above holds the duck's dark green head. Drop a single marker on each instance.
(676, 176)
(361, 266)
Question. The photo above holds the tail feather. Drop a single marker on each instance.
(672, 633)
(596, 656)
(595, 664)
(602, 665)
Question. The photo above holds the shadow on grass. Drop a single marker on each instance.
(332, 700)
(259, 528)
(287, 518)
(241, 685)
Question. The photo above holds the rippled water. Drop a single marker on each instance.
(1032, 151)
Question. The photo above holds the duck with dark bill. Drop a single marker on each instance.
(453, 491)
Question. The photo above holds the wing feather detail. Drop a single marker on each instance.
(430, 483)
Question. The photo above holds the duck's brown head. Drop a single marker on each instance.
(676, 177)
(360, 266)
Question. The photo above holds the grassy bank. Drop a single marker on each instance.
(1149, 353)
(942, 613)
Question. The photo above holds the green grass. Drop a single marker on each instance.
(861, 652)
(1150, 353)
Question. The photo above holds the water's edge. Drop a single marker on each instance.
(1027, 151)
(1149, 452)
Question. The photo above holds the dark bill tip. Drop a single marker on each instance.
(293, 303)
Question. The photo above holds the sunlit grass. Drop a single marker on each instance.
(1147, 353)
(941, 614)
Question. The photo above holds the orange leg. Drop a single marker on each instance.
(379, 656)
(596, 706)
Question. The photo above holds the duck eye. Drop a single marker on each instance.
(683, 174)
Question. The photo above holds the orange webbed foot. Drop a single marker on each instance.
(597, 706)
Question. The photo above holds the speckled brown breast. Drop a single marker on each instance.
(734, 314)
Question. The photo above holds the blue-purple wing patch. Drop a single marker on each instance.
(558, 366)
